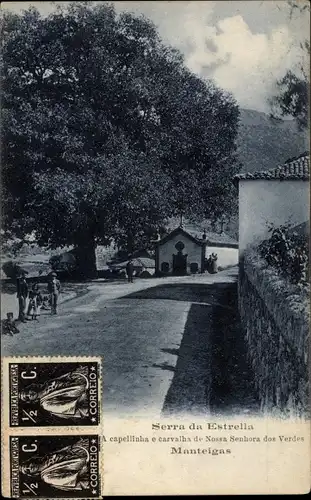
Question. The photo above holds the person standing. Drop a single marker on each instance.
(209, 264)
(130, 271)
(32, 311)
(22, 294)
(54, 291)
(214, 268)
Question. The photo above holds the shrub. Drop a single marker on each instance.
(287, 251)
(11, 269)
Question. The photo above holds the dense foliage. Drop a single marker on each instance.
(106, 132)
(287, 251)
(293, 94)
(293, 97)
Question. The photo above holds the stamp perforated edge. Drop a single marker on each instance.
(8, 431)
(42, 497)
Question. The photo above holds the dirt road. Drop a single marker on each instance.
(166, 343)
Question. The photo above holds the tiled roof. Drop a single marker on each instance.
(212, 239)
(146, 262)
(179, 230)
(137, 262)
(32, 269)
(293, 169)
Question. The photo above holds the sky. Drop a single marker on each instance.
(244, 46)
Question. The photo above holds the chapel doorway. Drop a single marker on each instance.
(179, 260)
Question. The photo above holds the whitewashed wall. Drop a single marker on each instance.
(167, 250)
(273, 201)
(226, 256)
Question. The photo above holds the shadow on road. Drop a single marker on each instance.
(190, 292)
(164, 366)
(189, 388)
(212, 373)
(175, 352)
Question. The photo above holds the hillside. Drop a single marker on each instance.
(264, 144)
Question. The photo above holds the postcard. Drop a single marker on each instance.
(155, 284)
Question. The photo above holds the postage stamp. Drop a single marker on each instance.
(55, 466)
(51, 420)
(54, 393)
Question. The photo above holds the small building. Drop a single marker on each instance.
(184, 251)
(277, 196)
(180, 253)
(220, 243)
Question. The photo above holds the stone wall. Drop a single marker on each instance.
(275, 317)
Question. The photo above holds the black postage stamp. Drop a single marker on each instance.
(63, 466)
(47, 394)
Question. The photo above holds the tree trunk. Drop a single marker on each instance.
(130, 242)
(86, 258)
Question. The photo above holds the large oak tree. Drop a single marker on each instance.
(106, 133)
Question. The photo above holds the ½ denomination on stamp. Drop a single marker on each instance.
(47, 394)
(63, 466)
